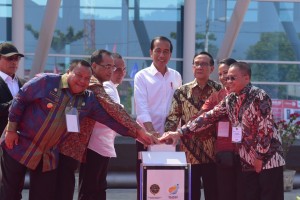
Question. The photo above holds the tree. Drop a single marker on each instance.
(274, 46)
(59, 40)
(200, 43)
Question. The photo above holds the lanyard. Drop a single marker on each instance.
(70, 100)
(72, 116)
(239, 105)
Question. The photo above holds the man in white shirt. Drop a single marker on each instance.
(154, 87)
(9, 82)
(101, 148)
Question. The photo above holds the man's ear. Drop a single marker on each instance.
(212, 69)
(93, 66)
(247, 78)
(151, 53)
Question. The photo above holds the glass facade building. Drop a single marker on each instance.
(268, 37)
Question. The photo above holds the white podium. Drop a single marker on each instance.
(164, 175)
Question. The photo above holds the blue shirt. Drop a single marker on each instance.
(38, 114)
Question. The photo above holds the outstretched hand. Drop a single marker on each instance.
(170, 137)
(147, 138)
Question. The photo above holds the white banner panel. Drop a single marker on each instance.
(165, 182)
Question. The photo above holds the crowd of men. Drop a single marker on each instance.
(55, 124)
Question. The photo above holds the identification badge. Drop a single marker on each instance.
(72, 119)
(236, 134)
(223, 129)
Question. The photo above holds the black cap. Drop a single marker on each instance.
(7, 50)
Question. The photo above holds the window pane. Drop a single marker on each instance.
(5, 11)
(101, 3)
(100, 14)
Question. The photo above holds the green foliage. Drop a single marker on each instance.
(128, 100)
(60, 39)
(200, 42)
(274, 46)
(126, 92)
(173, 35)
(34, 32)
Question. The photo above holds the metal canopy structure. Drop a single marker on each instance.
(51, 14)
(286, 1)
(233, 29)
(45, 37)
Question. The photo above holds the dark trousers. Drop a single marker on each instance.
(139, 147)
(65, 184)
(266, 185)
(13, 175)
(208, 174)
(230, 183)
(92, 177)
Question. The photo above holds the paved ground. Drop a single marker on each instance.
(130, 194)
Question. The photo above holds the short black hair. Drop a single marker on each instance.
(97, 55)
(75, 62)
(212, 62)
(243, 67)
(162, 38)
(227, 61)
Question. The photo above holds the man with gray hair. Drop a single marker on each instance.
(249, 110)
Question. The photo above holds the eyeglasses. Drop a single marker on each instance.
(12, 58)
(109, 67)
(120, 69)
(231, 78)
(197, 65)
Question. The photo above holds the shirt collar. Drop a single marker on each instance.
(245, 90)
(64, 81)
(4, 76)
(114, 84)
(154, 71)
(95, 81)
(195, 84)
(191, 87)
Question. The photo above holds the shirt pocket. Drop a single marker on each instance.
(50, 102)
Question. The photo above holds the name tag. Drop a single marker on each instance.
(223, 129)
(236, 134)
(72, 119)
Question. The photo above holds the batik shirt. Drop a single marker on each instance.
(186, 103)
(222, 143)
(38, 114)
(250, 110)
(75, 145)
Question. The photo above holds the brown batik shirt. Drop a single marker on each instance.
(76, 144)
(187, 102)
